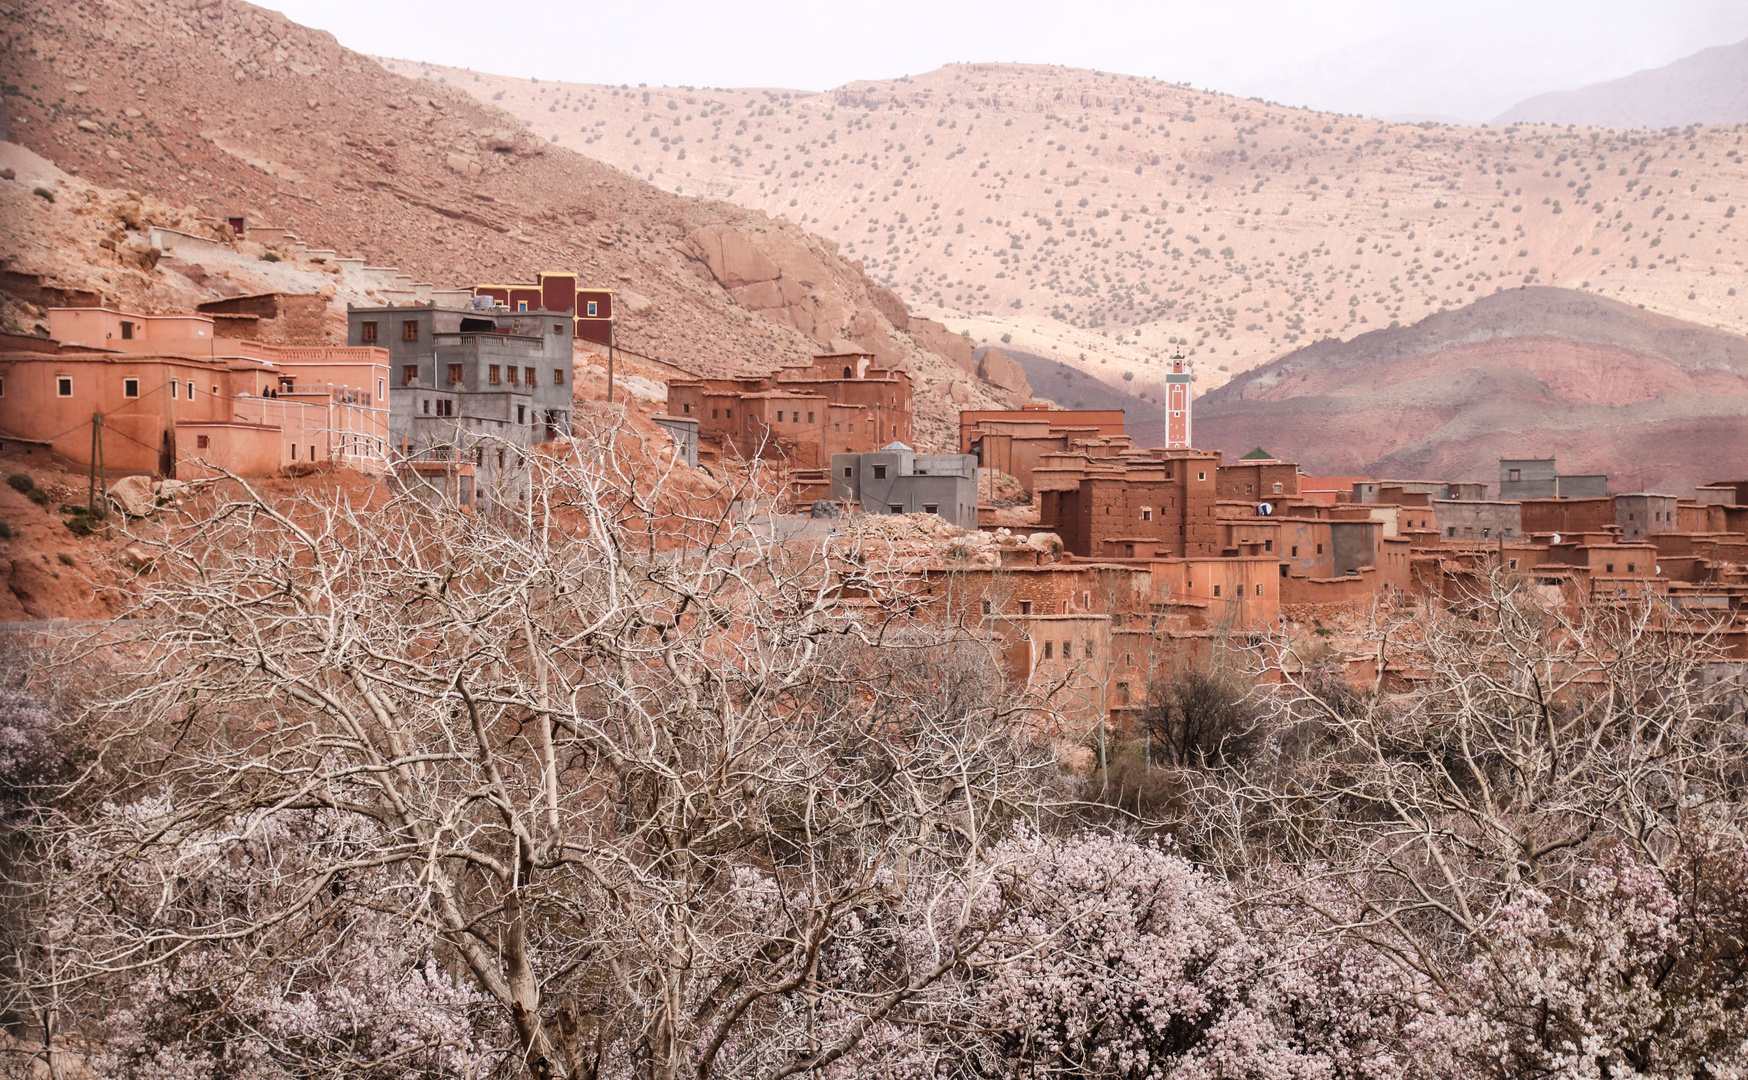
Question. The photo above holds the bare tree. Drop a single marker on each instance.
(640, 774)
(1537, 732)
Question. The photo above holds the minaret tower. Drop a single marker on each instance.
(1177, 404)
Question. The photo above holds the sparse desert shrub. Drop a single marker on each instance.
(21, 482)
(43, 193)
(66, 558)
(6, 530)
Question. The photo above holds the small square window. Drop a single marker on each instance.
(521, 306)
(1268, 545)
(202, 442)
(130, 387)
(594, 309)
(410, 330)
(1025, 607)
(558, 328)
(1514, 474)
(558, 376)
(1201, 476)
(847, 472)
(409, 374)
(1513, 564)
(1147, 513)
(1608, 568)
(879, 472)
(1283, 569)
(367, 333)
(454, 374)
(127, 331)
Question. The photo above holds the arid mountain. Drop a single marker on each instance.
(1103, 219)
(179, 114)
(1657, 403)
(1709, 87)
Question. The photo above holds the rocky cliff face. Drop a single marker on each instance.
(1655, 402)
(201, 111)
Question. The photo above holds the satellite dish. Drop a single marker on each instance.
(1264, 509)
(1659, 571)
(1556, 539)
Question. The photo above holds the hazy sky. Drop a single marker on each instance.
(1467, 61)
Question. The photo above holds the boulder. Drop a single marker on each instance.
(1004, 371)
(936, 338)
(134, 495)
(732, 259)
(635, 303)
(463, 164)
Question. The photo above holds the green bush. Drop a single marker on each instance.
(21, 482)
(66, 558)
(80, 525)
(7, 532)
(39, 496)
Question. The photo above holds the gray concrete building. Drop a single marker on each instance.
(1478, 520)
(1539, 478)
(1368, 491)
(684, 431)
(1641, 515)
(475, 384)
(898, 480)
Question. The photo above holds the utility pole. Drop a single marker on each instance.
(611, 328)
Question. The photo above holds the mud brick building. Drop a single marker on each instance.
(1015, 441)
(803, 413)
(175, 399)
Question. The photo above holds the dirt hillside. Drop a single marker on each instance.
(179, 114)
(1103, 219)
(1657, 403)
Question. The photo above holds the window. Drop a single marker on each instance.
(130, 387)
(1025, 607)
(713, 414)
(931, 508)
(1319, 549)
(454, 374)
(810, 418)
(191, 389)
(521, 306)
(1268, 545)
(1247, 489)
(1486, 532)
(409, 374)
(1147, 513)
(594, 309)
(410, 330)
(201, 442)
(367, 333)
(521, 414)
(686, 408)
(879, 472)
(1631, 568)
(986, 607)
(494, 375)
(1513, 564)
(895, 508)
(1283, 569)
(529, 372)
(1295, 551)
(425, 404)
(294, 451)
(837, 427)
(847, 374)
(1506, 532)
(1122, 693)
(1068, 650)
(1450, 530)
(515, 374)
(558, 328)
(779, 416)
(1608, 568)
(127, 331)
(1201, 476)
(1277, 488)
(1216, 592)
(558, 376)
(172, 389)
(1514, 474)
(1049, 650)
(1259, 590)
(728, 414)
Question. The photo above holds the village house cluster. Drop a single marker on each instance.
(1117, 564)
